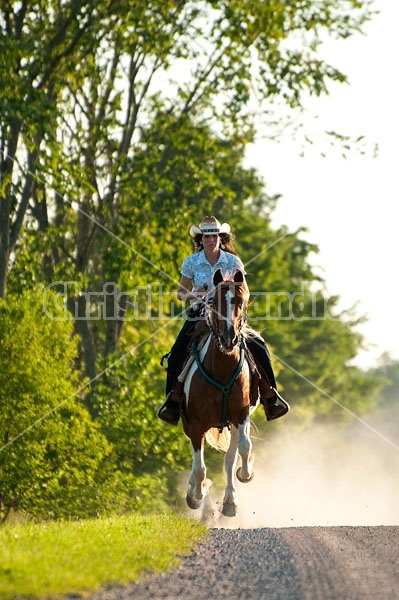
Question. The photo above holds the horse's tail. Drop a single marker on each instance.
(217, 440)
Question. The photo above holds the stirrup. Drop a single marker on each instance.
(275, 406)
(169, 411)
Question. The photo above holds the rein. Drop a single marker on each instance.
(225, 388)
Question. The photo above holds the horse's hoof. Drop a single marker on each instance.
(229, 509)
(193, 502)
(250, 478)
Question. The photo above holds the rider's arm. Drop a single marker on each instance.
(185, 291)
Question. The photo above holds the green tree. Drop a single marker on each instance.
(38, 44)
(52, 456)
(96, 75)
(312, 341)
(387, 408)
(388, 368)
(108, 153)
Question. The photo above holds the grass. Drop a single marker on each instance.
(50, 560)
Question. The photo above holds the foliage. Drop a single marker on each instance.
(147, 455)
(82, 85)
(52, 455)
(120, 125)
(311, 341)
(387, 409)
(388, 369)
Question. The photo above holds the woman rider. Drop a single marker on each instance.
(214, 250)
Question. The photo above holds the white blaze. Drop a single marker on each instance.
(229, 311)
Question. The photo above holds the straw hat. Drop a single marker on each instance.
(209, 226)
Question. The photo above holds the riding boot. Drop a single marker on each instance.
(170, 409)
(274, 405)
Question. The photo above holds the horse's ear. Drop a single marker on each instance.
(239, 276)
(217, 277)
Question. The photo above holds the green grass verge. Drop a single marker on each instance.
(50, 560)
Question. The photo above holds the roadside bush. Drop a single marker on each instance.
(52, 455)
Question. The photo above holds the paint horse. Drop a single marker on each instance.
(217, 393)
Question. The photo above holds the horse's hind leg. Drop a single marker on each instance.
(245, 473)
(230, 494)
(197, 489)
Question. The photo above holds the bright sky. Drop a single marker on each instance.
(350, 206)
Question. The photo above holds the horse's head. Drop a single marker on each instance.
(227, 313)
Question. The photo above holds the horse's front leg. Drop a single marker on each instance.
(245, 473)
(197, 489)
(230, 495)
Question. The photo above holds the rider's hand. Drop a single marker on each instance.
(199, 296)
(200, 292)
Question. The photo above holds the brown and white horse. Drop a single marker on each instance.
(217, 393)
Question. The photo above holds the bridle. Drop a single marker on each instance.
(212, 315)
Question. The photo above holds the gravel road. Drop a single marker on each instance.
(298, 563)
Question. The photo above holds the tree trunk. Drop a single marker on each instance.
(6, 170)
(77, 307)
(4, 244)
(115, 305)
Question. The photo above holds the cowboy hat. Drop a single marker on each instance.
(209, 226)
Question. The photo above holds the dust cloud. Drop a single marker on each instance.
(323, 476)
